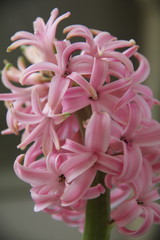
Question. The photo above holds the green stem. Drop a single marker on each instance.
(98, 223)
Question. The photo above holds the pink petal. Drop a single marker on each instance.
(81, 64)
(34, 134)
(26, 117)
(143, 70)
(36, 104)
(74, 99)
(128, 96)
(42, 66)
(109, 164)
(132, 164)
(133, 121)
(148, 220)
(94, 192)
(122, 58)
(99, 73)
(31, 175)
(77, 189)
(76, 165)
(126, 212)
(22, 42)
(97, 135)
(150, 138)
(84, 84)
(75, 147)
(57, 89)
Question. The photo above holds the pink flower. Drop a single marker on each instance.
(49, 185)
(83, 161)
(142, 205)
(43, 37)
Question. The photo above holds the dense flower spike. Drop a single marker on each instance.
(82, 109)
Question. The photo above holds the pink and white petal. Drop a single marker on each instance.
(78, 188)
(34, 134)
(82, 64)
(54, 135)
(143, 70)
(77, 165)
(148, 220)
(84, 84)
(30, 175)
(51, 30)
(131, 51)
(71, 49)
(122, 58)
(132, 164)
(94, 192)
(74, 99)
(108, 102)
(54, 14)
(42, 66)
(26, 118)
(97, 134)
(120, 44)
(47, 143)
(32, 153)
(155, 207)
(81, 31)
(57, 89)
(13, 96)
(22, 42)
(119, 195)
(109, 164)
(133, 121)
(128, 97)
(75, 147)
(127, 212)
(99, 73)
(148, 138)
(116, 85)
(36, 104)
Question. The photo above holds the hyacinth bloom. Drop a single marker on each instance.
(91, 147)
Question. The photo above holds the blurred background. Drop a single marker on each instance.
(126, 19)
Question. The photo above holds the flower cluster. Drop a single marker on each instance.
(81, 109)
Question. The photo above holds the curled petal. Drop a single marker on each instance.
(94, 192)
(78, 188)
(34, 176)
(42, 66)
(148, 220)
(143, 70)
(132, 163)
(126, 212)
(84, 84)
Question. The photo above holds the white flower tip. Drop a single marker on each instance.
(132, 41)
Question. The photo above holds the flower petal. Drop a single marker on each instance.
(97, 135)
(77, 189)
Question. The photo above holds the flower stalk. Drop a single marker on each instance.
(98, 223)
